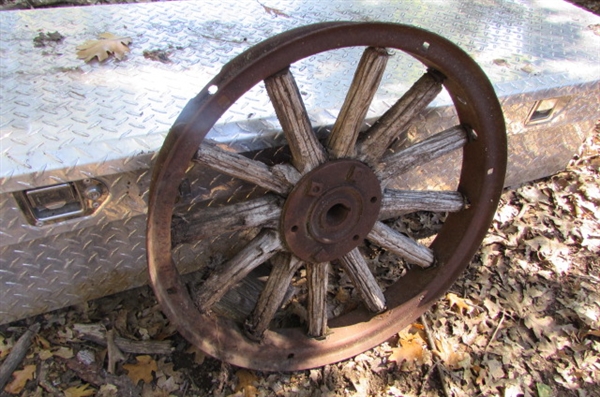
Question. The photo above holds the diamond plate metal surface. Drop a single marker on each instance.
(63, 120)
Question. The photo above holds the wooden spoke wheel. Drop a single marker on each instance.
(329, 199)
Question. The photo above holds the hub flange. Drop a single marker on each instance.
(331, 210)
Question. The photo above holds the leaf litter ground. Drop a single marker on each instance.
(524, 320)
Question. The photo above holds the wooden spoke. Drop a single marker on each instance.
(355, 265)
(214, 221)
(397, 119)
(399, 244)
(399, 202)
(261, 248)
(316, 274)
(421, 153)
(238, 166)
(307, 152)
(341, 142)
(271, 298)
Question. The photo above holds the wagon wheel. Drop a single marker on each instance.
(334, 197)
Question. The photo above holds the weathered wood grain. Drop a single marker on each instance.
(421, 153)
(266, 244)
(238, 166)
(316, 275)
(342, 140)
(271, 298)
(307, 151)
(391, 240)
(356, 267)
(399, 202)
(213, 221)
(397, 119)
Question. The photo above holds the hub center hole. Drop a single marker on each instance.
(336, 215)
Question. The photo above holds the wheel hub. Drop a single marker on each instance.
(331, 210)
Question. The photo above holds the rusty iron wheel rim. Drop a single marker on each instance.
(350, 334)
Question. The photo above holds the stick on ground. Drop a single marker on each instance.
(431, 344)
(17, 354)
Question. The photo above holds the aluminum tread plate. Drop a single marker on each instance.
(64, 120)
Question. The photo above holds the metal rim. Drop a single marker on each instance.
(482, 176)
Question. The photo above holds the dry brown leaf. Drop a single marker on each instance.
(411, 349)
(460, 303)
(594, 332)
(79, 391)
(275, 12)
(5, 346)
(107, 44)
(199, 355)
(42, 342)
(539, 325)
(63, 352)
(141, 370)
(44, 354)
(20, 379)
(449, 355)
(246, 383)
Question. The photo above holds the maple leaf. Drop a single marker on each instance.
(79, 391)
(142, 370)
(107, 44)
(20, 379)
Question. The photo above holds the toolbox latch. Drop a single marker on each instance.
(546, 110)
(55, 203)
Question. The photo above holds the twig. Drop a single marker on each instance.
(17, 354)
(97, 334)
(114, 353)
(431, 344)
(495, 332)
(426, 376)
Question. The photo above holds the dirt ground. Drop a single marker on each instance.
(524, 319)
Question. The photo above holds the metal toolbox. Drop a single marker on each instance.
(77, 140)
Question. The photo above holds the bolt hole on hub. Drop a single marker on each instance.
(284, 277)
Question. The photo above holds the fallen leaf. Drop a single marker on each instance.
(108, 390)
(5, 346)
(63, 352)
(79, 391)
(107, 44)
(42, 342)
(44, 354)
(449, 355)
(141, 370)
(539, 325)
(274, 11)
(544, 390)
(595, 332)
(20, 379)
(199, 355)
(245, 382)
(460, 303)
(411, 348)
(42, 39)
(494, 369)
